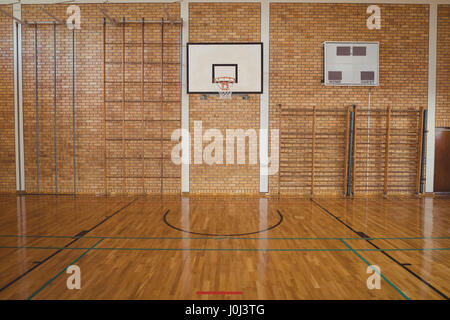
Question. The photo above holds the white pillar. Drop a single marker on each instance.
(184, 9)
(431, 120)
(18, 106)
(264, 99)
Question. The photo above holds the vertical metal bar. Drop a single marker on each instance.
(181, 95)
(422, 163)
(36, 83)
(162, 107)
(279, 151)
(350, 154)
(347, 136)
(355, 132)
(123, 107)
(386, 151)
(54, 109)
(420, 153)
(104, 107)
(142, 103)
(73, 116)
(313, 146)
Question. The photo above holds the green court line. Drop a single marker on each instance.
(222, 238)
(59, 273)
(220, 249)
(385, 279)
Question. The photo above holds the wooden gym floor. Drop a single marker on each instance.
(133, 247)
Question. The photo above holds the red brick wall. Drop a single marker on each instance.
(297, 33)
(443, 68)
(296, 68)
(224, 22)
(7, 143)
(90, 125)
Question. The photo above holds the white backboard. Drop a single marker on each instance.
(242, 61)
(351, 63)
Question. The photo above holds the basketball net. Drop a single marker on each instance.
(224, 86)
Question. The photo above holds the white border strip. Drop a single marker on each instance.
(184, 12)
(432, 48)
(264, 100)
(18, 105)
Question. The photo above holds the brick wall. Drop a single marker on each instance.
(7, 143)
(224, 22)
(297, 33)
(443, 68)
(296, 68)
(91, 176)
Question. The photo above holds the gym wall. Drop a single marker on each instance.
(297, 33)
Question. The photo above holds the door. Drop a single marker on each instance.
(442, 160)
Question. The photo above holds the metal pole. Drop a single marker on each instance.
(142, 105)
(313, 147)
(54, 109)
(104, 107)
(279, 146)
(181, 95)
(350, 154)
(162, 106)
(36, 83)
(151, 21)
(422, 164)
(124, 180)
(386, 151)
(347, 137)
(354, 145)
(73, 116)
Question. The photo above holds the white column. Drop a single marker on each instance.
(264, 100)
(184, 9)
(431, 121)
(18, 106)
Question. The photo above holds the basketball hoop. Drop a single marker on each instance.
(224, 86)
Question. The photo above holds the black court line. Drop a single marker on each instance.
(222, 235)
(366, 238)
(76, 238)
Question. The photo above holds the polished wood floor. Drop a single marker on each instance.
(223, 248)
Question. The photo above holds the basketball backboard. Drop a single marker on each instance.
(208, 61)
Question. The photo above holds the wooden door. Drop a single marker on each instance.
(442, 160)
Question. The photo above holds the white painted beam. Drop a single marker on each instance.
(18, 105)
(264, 100)
(432, 48)
(184, 11)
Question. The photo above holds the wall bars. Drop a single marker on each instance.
(38, 73)
(128, 166)
(351, 152)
